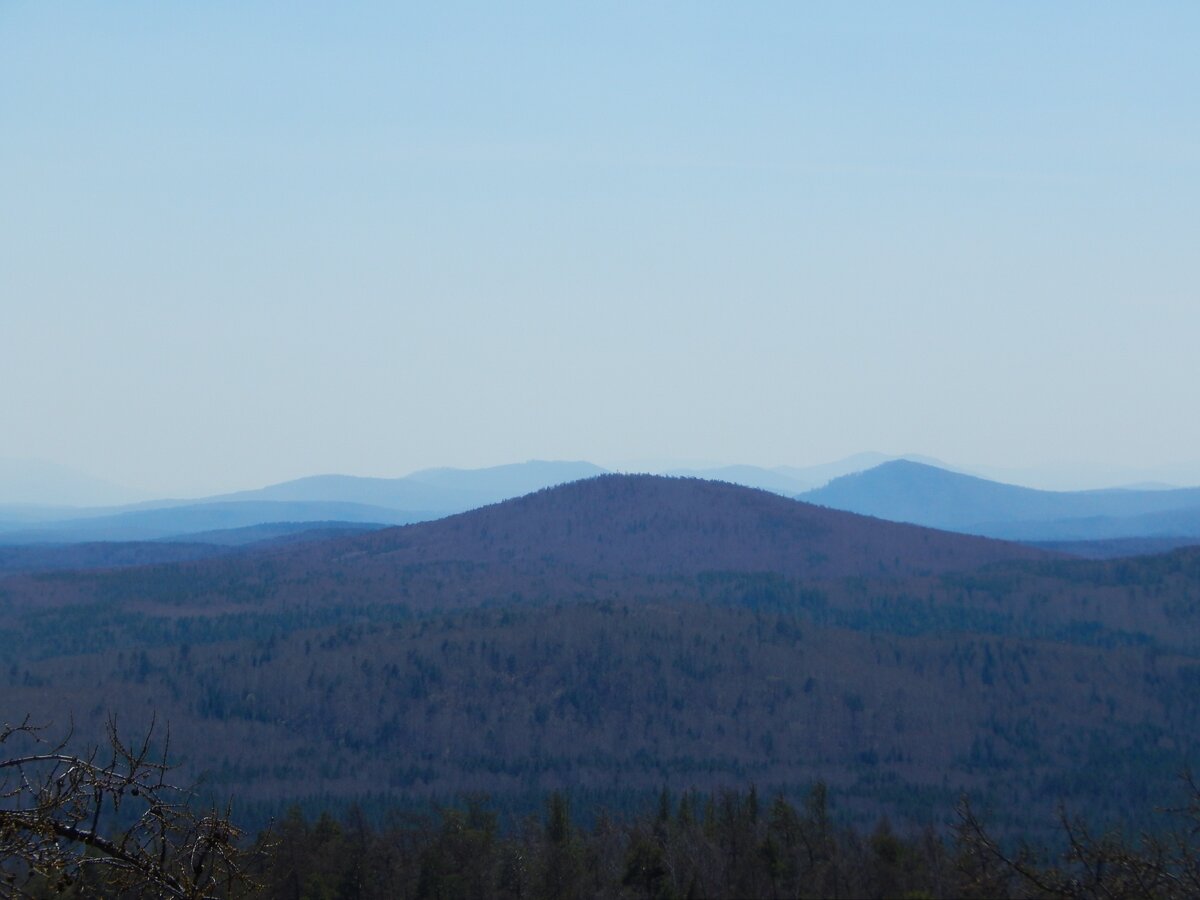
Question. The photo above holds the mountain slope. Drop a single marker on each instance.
(904, 491)
(548, 546)
(635, 695)
(822, 473)
(649, 524)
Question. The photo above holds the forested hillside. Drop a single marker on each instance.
(625, 633)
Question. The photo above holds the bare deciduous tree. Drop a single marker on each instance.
(1154, 867)
(107, 820)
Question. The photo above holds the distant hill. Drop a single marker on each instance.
(653, 524)
(905, 491)
(390, 501)
(437, 490)
(822, 473)
(152, 524)
(794, 480)
(27, 481)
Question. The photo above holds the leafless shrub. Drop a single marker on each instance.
(107, 821)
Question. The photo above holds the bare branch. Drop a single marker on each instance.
(51, 810)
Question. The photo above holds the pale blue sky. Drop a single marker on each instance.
(243, 242)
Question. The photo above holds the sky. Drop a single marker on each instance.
(245, 242)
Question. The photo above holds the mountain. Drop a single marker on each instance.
(37, 482)
(439, 490)
(625, 523)
(823, 473)
(793, 480)
(652, 524)
(423, 495)
(905, 491)
(549, 546)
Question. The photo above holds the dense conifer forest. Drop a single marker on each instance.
(721, 844)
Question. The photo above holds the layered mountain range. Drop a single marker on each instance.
(1090, 523)
(319, 499)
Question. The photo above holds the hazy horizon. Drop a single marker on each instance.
(43, 483)
(245, 244)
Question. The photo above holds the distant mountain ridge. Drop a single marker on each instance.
(183, 522)
(912, 489)
(794, 480)
(423, 495)
(35, 499)
(27, 481)
(439, 490)
(905, 491)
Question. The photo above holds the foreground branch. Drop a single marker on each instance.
(108, 820)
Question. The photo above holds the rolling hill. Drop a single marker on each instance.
(647, 524)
